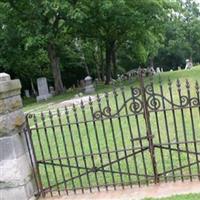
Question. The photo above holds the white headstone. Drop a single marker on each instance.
(188, 64)
(89, 88)
(52, 91)
(27, 94)
(157, 70)
(43, 89)
(152, 71)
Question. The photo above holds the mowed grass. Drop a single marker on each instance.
(178, 197)
(71, 135)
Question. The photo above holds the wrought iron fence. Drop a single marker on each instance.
(141, 135)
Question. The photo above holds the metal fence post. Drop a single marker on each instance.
(141, 74)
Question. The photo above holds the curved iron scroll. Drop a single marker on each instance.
(154, 102)
(136, 106)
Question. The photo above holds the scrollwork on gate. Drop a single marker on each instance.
(155, 101)
(135, 106)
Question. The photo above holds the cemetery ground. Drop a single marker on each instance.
(30, 104)
(169, 191)
(120, 127)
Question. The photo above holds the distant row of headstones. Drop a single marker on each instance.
(45, 92)
(151, 70)
(86, 85)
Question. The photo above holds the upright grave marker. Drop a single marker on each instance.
(89, 87)
(189, 64)
(43, 89)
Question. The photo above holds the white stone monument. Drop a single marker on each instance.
(52, 91)
(89, 87)
(27, 93)
(152, 70)
(189, 64)
(43, 89)
(157, 70)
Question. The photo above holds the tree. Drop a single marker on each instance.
(181, 36)
(16, 58)
(66, 40)
(116, 22)
(47, 22)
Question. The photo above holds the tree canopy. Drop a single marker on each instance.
(67, 40)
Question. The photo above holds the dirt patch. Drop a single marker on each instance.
(135, 193)
(77, 101)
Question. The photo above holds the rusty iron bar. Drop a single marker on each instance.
(148, 125)
(68, 155)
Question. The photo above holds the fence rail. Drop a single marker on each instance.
(134, 136)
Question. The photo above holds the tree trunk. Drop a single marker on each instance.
(114, 62)
(33, 88)
(98, 74)
(109, 49)
(151, 61)
(86, 67)
(102, 68)
(55, 62)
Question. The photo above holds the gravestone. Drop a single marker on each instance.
(82, 83)
(179, 68)
(189, 64)
(157, 70)
(43, 89)
(27, 93)
(96, 81)
(162, 69)
(89, 87)
(52, 91)
(131, 73)
(150, 70)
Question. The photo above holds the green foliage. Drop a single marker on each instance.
(182, 36)
(178, 197)
(133, 33)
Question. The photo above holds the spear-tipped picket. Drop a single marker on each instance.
(178, 84)
(101, 150)
(106, 140)
(74, 150)
(82, 146)
(66, 151)
(183, 100)
(187, 84)
(94, 168)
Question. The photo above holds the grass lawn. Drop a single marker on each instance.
(30, 104)
(75, 134)
(179, 197)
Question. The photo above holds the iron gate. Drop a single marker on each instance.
(142, 135)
